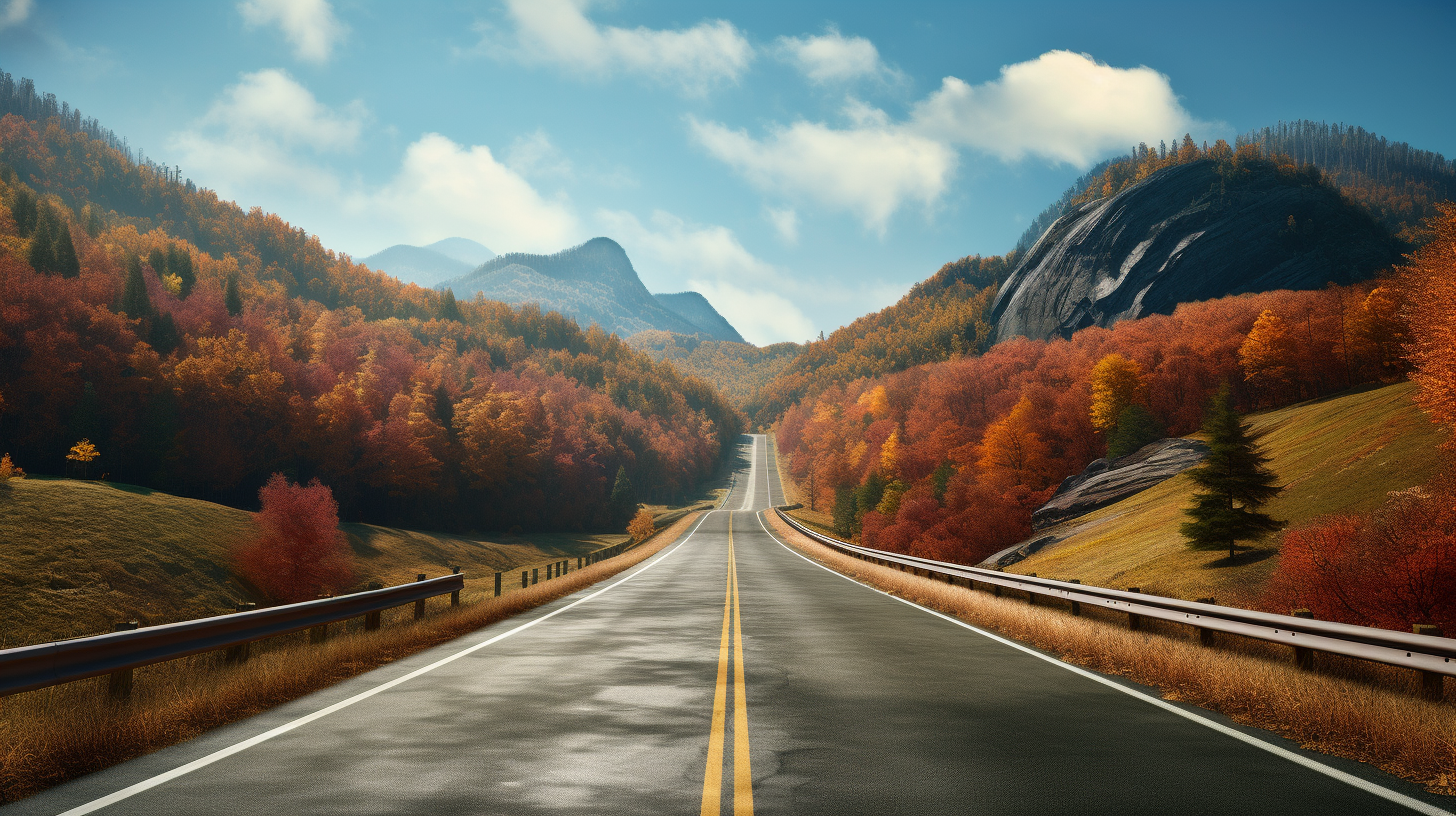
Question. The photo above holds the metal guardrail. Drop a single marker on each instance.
(1433, 657)
(49, 664)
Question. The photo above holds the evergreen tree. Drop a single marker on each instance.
(92, 221)
(449, 309)
(844, 512)
(179, 263)
(1135, 428)
(65, 259)
(23, 210)
(623, 501)
(232, 298)
(1235, 483)
(135, 302)
(42, 254)
(868, 496)
(158, 262)
(163, 336)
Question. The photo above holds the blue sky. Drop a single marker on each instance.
(800, 164)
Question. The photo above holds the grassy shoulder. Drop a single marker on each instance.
(78, 556)
(1340, 454)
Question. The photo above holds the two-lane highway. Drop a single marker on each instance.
(726, 674)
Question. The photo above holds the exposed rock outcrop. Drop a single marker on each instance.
(1188, 233)
(1104, 482)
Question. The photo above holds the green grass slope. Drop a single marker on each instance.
(78, 556)
(1343, 453)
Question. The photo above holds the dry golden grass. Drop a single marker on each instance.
(1344, 714)
(52, 735)
(1340, 454)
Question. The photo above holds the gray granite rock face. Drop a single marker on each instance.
(1103, 482)
(1185, 234)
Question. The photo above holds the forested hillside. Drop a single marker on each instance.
(737, 370)
(942, 317)
(201, 348)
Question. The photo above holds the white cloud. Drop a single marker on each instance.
(785, 223)
(444, 188)
(535, 155)
(1061, 106)
(558, 31)
(309, 25)
(870, 169)
(673, 255)
(14, 13)
(252, 135)
(833, 57)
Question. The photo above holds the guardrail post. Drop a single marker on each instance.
(579, 561)
(240, 652)
(525, 579)
(1076, 607)
(497, 584)
(119, 685)
(420, 604)
(455, 596)
(1031, 594)
(1433, 684)
(1134, 622)
(371, 619)
(1303, 657)
(319, 634)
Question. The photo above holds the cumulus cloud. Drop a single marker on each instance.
(14, 12)
(535, 155)
(1062, 106)
(558, 31)
(309, 25)
(444, 188)
(255, 131)
(833, 57)
(674, 255)
(871, 169)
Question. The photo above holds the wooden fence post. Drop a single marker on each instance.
(497, 584)
(119, 685)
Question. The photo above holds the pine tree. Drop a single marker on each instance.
(232, 298)
(65, 256)
(844, 512)
(1135, 428)
(1235, 483)
(623, 501)
(135, 302)
(179, 263)
(23, 210)
(449, 308)
(42, 254)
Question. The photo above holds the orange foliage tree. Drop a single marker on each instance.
(1267, 354)
(641, 527)
(297, 552)
(1429, 283)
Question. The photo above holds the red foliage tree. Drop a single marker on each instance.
(297, 552)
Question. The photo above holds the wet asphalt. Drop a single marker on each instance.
(602, 702)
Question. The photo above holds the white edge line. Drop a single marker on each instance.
(202, 762)
(1284, 753)
(752, 466)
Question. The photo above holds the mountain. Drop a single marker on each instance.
(1191, 231)
(471, 253)
(592, 283)
(429, 265)
(699, 312)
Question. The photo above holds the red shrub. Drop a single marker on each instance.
(1391, 569)
(298, 552)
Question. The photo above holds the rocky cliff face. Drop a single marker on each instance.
(1188, 233)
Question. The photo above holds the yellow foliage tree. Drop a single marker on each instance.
(890, 454)
(641, 526)
(875, 402)
(83, 452)
(1380, 333)
(1267, 354)
(8, 470)
(1117, 383)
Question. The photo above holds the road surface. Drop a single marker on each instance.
(728, 674)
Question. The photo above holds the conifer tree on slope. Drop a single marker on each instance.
(1235, 483)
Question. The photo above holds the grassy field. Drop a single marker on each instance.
(1343, 453)
(78, 556)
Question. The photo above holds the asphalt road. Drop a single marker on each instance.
(726, 673)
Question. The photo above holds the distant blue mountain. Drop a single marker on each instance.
(429, 265)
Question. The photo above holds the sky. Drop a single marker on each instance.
(799, 164)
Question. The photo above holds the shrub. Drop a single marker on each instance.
(641, 527)
(297, 552)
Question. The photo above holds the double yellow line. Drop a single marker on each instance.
(742, 774)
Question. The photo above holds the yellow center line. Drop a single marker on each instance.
(742, 773)
(713, 778)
